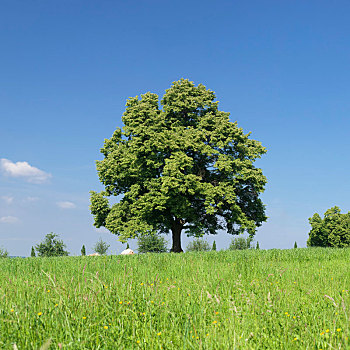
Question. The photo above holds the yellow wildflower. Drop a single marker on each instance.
(40, 313)
(84, 317)
(338, 329)
(159, 333)
(12, 310)
(105, 327)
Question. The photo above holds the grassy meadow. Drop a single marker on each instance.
(253, 299)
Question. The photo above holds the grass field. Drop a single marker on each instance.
(256, 299)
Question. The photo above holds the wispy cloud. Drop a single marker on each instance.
(30, 199)
(7, 199)
(8, 220)
(23, 170)
(66, 205)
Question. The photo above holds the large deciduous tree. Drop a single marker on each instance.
(181, 166)
(331, 231)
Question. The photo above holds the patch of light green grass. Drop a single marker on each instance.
(275, 299)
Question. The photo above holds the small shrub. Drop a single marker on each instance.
(257, 245)
(214, 246)
(240, 243)
(152, 243)
(198, 245)
(295, 245)
(101, 247)
(83, 250)
(3, 253)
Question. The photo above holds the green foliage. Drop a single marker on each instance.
(295, 245)
(83, 250)
(331, 231)
(32, 253)
(3, 253)
(51, 246)
(214, 246)
(127, 246)
(241, 243)
(198, 245)
(101, 247)
(152, 244)
(180, 165)
(257, 245)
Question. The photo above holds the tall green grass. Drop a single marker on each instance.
(256, 299)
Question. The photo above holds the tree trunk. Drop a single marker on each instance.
(176, 233)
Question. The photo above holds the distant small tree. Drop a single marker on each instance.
(3, 253)
(101, 247)
(257, 245)
(331, 231)
(152, 244)
(32, 253)
(197, 245)
(127, 246)
(214, 246)
(295, 245)
(83, 250)
(240, 243)
(51, 246)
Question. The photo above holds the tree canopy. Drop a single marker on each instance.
(51, 246)
(331, 231)
(179, 165)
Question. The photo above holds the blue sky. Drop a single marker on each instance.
(281, 68)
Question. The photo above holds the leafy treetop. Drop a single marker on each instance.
(51, 246)
(331, 231)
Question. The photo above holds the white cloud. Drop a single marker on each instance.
(8, 220)
(66, 205)
(7, 199)
(24, 170)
